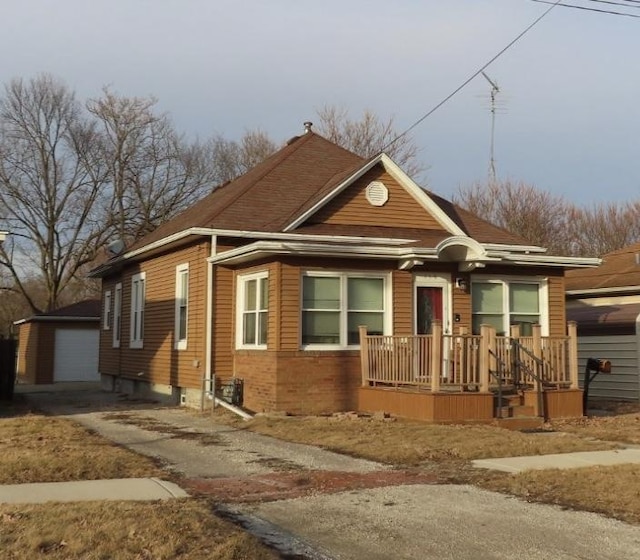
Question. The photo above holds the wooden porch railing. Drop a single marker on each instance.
(464, 361)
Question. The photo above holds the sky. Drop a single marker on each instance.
(569, 109)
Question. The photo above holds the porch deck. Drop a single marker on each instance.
(466, 377)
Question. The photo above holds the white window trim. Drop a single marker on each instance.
(117, 315)
(137, 313)
(106, 313)
(543, 295)
(344, 276)
(181, 343)
(240, 293)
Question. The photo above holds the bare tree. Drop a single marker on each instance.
(603, 228)
(153, 172)
(535, 215)
(550, 221)
(368, 136)
(50, 179)
(231, 158)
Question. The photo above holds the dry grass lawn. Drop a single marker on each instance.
(409, 443)
(37, 448)
(176, 529)
(613, 491)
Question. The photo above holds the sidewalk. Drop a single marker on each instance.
(132, 489)
(561, 460)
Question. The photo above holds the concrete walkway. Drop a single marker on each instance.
(132, 489)
(561, 460)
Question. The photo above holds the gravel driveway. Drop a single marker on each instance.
(377, 516)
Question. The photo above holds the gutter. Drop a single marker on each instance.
(54, 319)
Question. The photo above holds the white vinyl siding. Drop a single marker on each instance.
(182, 303)
(137, 310)
(252, 319)
(622, 350)
(117, 315)
(334, 305)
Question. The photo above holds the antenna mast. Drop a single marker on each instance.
(494, 92)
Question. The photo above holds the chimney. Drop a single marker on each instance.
(307, 127)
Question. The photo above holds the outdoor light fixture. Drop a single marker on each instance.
(462, 284)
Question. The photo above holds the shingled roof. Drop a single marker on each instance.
(264, 198)
(619, 269)
(290, 182)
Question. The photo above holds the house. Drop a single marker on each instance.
(61, 345)
(605, 303)
(268, 279)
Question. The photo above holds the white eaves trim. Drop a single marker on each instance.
(266, 248)
(546, 260)
(242, 234)
(53, 319)
(604, 291)
(405, 181)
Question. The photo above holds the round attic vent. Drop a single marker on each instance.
(377, 194)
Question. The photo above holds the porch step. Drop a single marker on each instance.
(518, 411)
(519, 423)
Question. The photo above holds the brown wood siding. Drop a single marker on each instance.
(158, 362)
(432, 407)
(109, 357)
(557, 310)
(27, 352)
(351, 207)
(402, 282)
(223, 323)
(290, 298)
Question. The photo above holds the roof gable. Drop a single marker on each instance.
(347, 202)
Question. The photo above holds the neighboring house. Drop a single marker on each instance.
(268, 278)
(605, 302)
(61, 345)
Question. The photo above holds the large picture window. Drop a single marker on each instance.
(137, 310)
(253, 310)
(501, 303)
(182, 302)
(334, 305)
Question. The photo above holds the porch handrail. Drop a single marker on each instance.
(539, 382)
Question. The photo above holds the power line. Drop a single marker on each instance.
(598, 10)
(474, 75)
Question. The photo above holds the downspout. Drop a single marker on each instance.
(209, 375)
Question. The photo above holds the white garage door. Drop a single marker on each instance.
(76, 355)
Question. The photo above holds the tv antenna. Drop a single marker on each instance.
(494, 105)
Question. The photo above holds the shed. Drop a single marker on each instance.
(61, 345)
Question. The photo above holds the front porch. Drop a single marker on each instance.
(465, 377)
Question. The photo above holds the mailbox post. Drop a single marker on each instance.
(593, 367)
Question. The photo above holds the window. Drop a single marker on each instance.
(106, 314)
(117, 315)
(502, 303)
(137, 310)
(182, 297)
(334, 305)
(253, 307)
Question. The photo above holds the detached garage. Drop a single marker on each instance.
(605, 302)
(60, 346)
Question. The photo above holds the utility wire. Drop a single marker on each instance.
(473, 76)
(600, 11)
